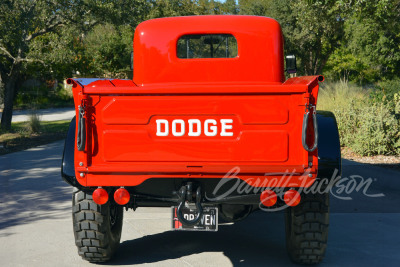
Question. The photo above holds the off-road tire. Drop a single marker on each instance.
(97, 228)
(307, 227)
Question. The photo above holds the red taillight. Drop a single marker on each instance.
(292, 198)
(268, 198)
(100, 196)
(122, 196)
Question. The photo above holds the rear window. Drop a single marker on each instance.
(207, 46)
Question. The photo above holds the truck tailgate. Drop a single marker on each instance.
(139, 136)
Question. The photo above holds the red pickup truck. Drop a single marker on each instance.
(209, 127)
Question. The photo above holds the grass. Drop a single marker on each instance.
(34, 124)
(335, 95)
(21, 138)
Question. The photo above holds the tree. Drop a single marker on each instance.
(107, 51)
(21, 23)
(344, 65)
(172, 8)
(312, 29)
(230, 7)
(317, 33)
(256, 7)
(31, 29)
(372, 35)
(370, 48)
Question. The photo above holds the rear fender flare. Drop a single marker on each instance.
(329, 156)
(67, 165)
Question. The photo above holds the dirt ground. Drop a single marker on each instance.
(380, 160)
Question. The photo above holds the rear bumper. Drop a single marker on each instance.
(271, 180)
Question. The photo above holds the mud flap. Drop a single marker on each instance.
(329, 156)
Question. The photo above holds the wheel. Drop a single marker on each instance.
(97, 228)
(307, 229)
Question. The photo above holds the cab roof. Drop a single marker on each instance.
(259, 58)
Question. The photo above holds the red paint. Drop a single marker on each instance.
(123, 148)
(260, 51)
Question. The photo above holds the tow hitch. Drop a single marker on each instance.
(186, 194)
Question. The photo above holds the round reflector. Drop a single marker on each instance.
(122, 196)
(100, 196)
(268, 198)
(292, 198)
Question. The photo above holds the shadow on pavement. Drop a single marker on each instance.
(366, 188)
(258, 239)
(360, 231)
(31, 187)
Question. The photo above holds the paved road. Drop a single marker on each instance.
(36, 224)
(51, 114)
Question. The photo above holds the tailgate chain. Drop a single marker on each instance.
(305, 126)
(81, 134)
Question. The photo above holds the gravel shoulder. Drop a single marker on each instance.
(379, 160)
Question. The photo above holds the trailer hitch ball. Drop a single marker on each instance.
(185, 194)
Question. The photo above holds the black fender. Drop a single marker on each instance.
(329, 156)
(67, 165)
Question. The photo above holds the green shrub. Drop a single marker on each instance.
(367, 124)
(396, 100)
(378, 131)
(389, 88)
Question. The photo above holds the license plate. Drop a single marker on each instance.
(208, 222)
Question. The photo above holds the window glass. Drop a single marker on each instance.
(207, 46)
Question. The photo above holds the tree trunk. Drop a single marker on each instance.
(321, 65)
(9, 93)
(1, 90)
